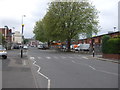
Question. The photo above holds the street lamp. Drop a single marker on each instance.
(22, 22)
(114, 28)
(22, 35)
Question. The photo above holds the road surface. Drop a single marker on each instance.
(54, 69)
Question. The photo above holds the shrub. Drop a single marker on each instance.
(111, 46)
(104, 43)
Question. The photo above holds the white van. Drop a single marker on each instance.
(84, 47)
(40, 46)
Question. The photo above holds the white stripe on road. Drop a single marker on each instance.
(107, 72)
(85, 57)
(92, 67)
(32, 58)
(63, 57)
(39, 57)
(38, 71)
(24, 62)
(70, 57)
(95, 68)
(74, 61)
(48, 57)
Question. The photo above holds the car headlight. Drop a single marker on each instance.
(4, 51)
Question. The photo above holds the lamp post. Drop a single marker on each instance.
(114, 28)
(22, 36)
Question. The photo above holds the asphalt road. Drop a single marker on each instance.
(54, 69)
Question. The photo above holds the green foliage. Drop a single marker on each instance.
(26, 41)
(39, 31)
(111, 45)
(66, 20)
(114, 46)
(2, 39)
(104, 43)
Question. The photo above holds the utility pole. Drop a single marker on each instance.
(22, 37)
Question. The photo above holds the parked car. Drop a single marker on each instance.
(3, 52)
(83, 47)
(25, 47)
(40, 46)
(16, 47)
(43, 46)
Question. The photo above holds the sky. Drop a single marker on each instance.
(11, 12)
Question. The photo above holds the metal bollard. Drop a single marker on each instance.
(21, 53)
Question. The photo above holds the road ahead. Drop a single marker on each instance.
(53, 69)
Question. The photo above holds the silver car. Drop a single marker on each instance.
(3, 52)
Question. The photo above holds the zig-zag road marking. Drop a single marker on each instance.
(38, 71)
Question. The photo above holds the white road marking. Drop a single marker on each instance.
(74, 61)
(63, 57)
(32, 58)
(48, 57)
(96, 69)
(39, 57)
(92, 67)
(85, 57)
(38, 71)
(24, 62)
(70, 57)
(107, 72)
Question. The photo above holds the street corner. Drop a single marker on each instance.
(99, 57)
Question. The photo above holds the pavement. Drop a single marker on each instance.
(99, 57)
(16, 72)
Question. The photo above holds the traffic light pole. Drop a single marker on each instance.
(22, 41)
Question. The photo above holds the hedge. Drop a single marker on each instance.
(111, 45)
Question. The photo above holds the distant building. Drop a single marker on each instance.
(119, 15)
(33, 42)
(7, 34)
(17, 37)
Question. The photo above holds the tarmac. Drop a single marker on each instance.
(17, 71)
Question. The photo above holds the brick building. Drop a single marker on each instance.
(97, 40)
(7, 34)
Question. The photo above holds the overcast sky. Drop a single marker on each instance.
(11, 12)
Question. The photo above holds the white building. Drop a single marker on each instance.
(119, 15)
(17, 37)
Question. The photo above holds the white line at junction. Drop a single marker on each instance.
(48, 57)
(38, 71)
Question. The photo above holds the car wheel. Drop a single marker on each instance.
(4, 57)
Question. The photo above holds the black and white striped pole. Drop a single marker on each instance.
(93, 49)
(22, 36)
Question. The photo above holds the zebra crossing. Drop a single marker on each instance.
(60, 57)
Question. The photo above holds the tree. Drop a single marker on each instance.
(66, 20)
(26, 41)
(39, 32)
(2, 39)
